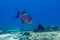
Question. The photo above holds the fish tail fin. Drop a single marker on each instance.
(18, 13)
(17, 16)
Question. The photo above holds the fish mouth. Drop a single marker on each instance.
(25, 14)
(30, 22)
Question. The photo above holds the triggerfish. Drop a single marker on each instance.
(24, 17)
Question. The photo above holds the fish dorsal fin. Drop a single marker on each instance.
(24, 12)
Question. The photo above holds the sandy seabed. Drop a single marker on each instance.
(31, 36)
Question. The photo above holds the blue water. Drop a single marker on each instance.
(45, 12)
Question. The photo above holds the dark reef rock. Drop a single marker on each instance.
(40, 28)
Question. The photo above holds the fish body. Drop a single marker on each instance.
(24, 17)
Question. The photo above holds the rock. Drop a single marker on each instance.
(40, 28)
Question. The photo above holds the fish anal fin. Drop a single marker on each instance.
(22, 21)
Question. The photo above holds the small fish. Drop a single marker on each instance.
(24, 17)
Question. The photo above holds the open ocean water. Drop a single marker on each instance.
(45, 16)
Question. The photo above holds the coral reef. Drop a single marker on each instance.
(40, 33)
(40, 28)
